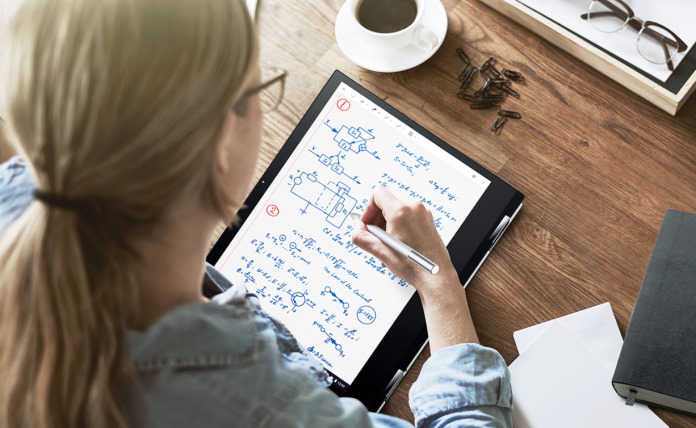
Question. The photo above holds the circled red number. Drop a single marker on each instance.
(343, 104)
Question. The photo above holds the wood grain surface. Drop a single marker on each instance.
(598, 165)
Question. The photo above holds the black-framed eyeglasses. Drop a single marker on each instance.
(271, 91)
(656, 43)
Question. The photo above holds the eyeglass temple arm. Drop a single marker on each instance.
(664, 41)
(668, 57)
(679, 44)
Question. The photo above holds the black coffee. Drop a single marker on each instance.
(386, 16)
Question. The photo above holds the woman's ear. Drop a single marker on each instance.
(224, 145)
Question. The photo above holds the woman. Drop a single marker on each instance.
(139, 119)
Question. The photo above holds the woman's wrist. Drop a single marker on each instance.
(447, 312)
(441, 285)
(446, 298)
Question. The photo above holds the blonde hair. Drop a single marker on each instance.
(116, 104)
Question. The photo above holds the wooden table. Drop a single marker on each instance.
(598, 165)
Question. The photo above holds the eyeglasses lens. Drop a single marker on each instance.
(656, 45)
(607, 16)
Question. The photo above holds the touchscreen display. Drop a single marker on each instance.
(295, 252)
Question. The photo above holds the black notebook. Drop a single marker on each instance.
(657, 364)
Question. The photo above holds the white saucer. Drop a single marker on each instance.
(389, 61)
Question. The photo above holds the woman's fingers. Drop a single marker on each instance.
(383, 206)
(369, 242)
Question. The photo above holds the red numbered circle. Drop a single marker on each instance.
(272, 210)
(343, 104)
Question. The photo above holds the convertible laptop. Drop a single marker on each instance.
(293, 246)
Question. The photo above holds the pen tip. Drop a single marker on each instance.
(354, 216)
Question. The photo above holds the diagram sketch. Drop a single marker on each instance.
(332, 199)
(334, 163)
(352, 139)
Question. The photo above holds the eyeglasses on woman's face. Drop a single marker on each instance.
(656, 43)
(270, 91)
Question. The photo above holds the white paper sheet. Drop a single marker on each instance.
(558, 382)
(673, 14)
(594, 327)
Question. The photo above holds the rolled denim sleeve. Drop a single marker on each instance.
(463, 385)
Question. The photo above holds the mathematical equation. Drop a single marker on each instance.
(410, 161)
(339, 307)
(439, 210)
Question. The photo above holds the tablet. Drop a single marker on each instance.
(293, 245)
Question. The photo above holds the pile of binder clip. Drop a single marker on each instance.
(493, 92)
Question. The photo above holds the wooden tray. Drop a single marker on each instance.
(669, 95)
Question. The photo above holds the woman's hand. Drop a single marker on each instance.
(443, 297)
(412, 224)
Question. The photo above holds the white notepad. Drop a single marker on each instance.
(594, 327)
(558, 382)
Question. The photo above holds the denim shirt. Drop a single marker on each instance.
(228, 363)
(16, 187)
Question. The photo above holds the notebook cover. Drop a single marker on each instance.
(659, 351)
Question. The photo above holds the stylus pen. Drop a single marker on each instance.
(399, 246)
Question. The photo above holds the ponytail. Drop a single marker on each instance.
(54, 315)
(116, 106)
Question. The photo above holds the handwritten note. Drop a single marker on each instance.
(295, 250)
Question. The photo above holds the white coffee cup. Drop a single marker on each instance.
(415, 34)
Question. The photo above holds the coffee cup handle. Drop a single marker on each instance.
(424, 38)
